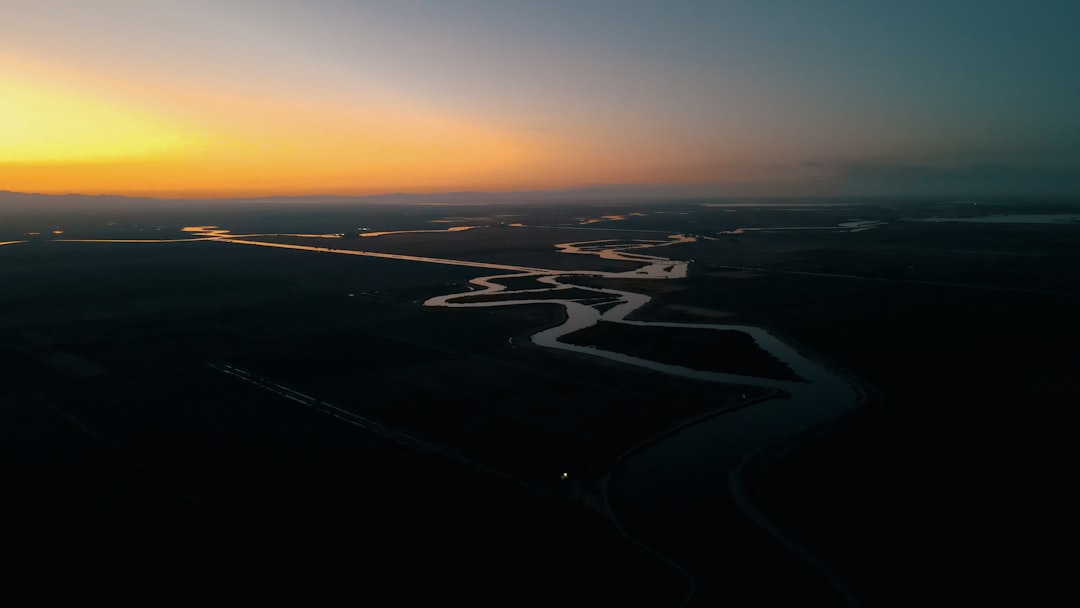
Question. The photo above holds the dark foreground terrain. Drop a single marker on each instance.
(124, 447)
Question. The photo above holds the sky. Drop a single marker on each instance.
(211, 98)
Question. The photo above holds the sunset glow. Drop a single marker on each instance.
(250, 98)
(39, 125)
(56, 139)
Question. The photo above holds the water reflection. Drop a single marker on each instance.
(1013, 218)
(206, 233)
(683, 469)
(848, 226)
(384, 233)
(686, 464)
(581, 314)
(602, 218)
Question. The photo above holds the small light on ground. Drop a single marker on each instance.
(564, 475)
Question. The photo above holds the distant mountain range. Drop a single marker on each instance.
(853, 183)
(593, 194)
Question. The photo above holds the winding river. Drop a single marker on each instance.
(701, 459)
(689, 463)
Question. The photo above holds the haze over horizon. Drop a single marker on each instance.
(210, 99)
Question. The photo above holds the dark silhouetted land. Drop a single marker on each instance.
(120, 430)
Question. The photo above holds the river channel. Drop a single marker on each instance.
(693, 463)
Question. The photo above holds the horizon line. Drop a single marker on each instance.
(669, 192)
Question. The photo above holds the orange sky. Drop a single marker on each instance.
(64, 130)
(131, 103)
(110, 137)
(101, 137)
(257, 97)
(83, 137)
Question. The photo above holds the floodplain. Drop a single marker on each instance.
(269, 383)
